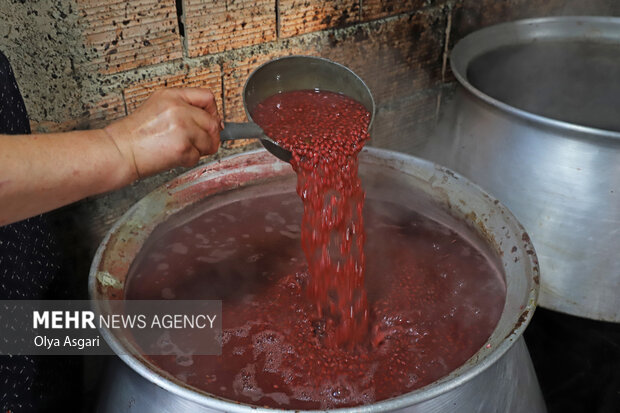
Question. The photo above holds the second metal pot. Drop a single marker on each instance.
(561, 179)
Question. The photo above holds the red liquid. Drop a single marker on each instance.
(326, 328)
(433, 297)
(325, 131)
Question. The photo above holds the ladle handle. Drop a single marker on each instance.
(240, 130)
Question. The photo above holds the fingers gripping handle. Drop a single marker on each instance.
(249, 130)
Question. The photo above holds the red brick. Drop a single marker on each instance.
(109, 108)
(305, 16)
(204, 77)
(50, 127)
(127, 34)
(97, 115)
(376, 9)
(213, 26)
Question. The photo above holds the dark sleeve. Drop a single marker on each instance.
(28, 254)
(13, 116)
(29, 266)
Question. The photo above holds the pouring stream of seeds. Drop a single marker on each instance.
(325, 132)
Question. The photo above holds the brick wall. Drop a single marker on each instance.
(124, 50)
(93, 61)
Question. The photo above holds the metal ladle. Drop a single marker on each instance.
(290, 73)
(250, 130)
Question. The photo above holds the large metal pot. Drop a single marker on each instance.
(498, 378)
(560, 178)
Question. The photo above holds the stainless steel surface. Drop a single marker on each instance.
(561, 180)
(290, 73)
(240, 130)
(124, 391)
(574, 81)
(246, 130)
(498, 377)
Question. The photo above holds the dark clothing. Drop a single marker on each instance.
(28, 254)
(29, 263)
(13, 116)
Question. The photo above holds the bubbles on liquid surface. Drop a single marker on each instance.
(179, 248)
(410, 294)
(167, 294)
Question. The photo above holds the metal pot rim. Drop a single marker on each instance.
(525, 31)
(261, 67)
(484, 358)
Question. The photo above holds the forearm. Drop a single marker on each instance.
(38, 173)
(41, 172)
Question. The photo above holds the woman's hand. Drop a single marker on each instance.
(40, 172)
(174, 127)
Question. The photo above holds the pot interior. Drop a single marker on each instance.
(564, 69)
(571, 81)
(437, 193)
